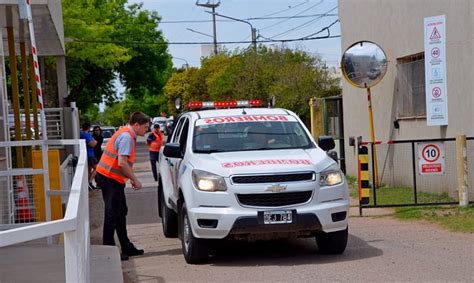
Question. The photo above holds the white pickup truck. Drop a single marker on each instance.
(249, 173)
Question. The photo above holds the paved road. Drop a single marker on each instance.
(380, 249)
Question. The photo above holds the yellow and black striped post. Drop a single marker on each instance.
(363, 172)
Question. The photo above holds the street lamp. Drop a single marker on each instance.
(252, 29)
(186, 65)
(199, 32)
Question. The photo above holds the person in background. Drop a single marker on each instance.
(114, 169)
(97, 135)
(155, 141)
(91, 159)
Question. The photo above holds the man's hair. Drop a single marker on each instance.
(86, 126)
(140, 118)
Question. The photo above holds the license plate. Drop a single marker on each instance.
(277, 217)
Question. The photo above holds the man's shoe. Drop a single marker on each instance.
(132, 251)
(92, 187)
(123, 257)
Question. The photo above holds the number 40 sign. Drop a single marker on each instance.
(430, 158)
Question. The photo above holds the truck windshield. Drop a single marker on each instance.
(246, 136)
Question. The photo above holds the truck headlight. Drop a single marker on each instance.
(330, 178)
(208, 182)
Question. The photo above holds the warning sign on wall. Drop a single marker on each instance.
(430, 158)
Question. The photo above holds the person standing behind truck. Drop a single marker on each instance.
(155, 141)
(91, 159)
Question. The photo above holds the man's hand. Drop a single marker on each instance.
(136, 185)
(128, 171)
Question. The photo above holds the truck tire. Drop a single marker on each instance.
(332, 243)
(169, 219)
(194, 250)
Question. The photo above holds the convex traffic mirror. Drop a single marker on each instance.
(364, 64)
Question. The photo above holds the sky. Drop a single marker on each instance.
(292, 19)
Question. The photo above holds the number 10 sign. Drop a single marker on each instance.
(430, 158)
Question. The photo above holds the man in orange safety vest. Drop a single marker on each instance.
(155, 141)
(114, 169)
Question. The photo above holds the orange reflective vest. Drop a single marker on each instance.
(108, 164)
(155, 145)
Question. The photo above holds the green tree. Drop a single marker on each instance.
(112, 40)
(293, 77)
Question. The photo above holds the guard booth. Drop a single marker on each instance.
(21, 163)
(328, 120)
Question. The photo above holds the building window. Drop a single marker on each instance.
(410, 86)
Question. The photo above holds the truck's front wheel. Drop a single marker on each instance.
(194, 250)
(332, 243)
(169, 219)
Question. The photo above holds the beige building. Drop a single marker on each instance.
(398, 27)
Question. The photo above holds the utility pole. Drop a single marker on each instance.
(213, 6)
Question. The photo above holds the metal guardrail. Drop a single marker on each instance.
(75, 224)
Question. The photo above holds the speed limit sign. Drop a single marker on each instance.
(430, 158)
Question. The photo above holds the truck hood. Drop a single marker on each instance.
(263, 161)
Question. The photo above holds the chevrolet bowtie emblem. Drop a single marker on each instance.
(275, 188)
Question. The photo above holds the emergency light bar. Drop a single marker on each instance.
(224, 104)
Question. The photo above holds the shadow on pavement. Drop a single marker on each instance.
(287, 252)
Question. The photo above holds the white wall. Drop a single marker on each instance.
(397, 26)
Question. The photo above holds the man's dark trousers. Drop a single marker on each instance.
(154, 160)
(115, 213)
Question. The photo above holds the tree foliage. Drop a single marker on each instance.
(109, 40)
(293, 77)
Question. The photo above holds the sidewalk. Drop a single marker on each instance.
(42, 263)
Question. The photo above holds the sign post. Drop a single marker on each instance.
(435, 71)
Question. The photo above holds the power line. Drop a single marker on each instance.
(302, 25)
(289, 8)
(202, 42)
(325, 28)
(297, 14)
(210, 21)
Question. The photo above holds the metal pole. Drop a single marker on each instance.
(75, 126)
(15, 96)
(372, 138)
(461, 158)
(214, 32)
(312, 117)
(44, 146)
(342, 151)
(34, 99)
(415, 194)
(254, 38)
(213, 6)
(26, 90)
(373, 174)
(253, 31)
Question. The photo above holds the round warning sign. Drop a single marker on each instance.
(431, 158)
(430, 153)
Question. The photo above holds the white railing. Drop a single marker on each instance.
(74, 225)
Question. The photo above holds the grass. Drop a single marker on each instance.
(451, 217)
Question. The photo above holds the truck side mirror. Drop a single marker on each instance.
(326, 143)
(173, 150)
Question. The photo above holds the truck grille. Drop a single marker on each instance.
(274, 199)
(274, 178)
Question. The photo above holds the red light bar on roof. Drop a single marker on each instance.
(224, 104)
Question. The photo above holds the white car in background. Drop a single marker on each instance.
(249, 174)
(107, 132)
